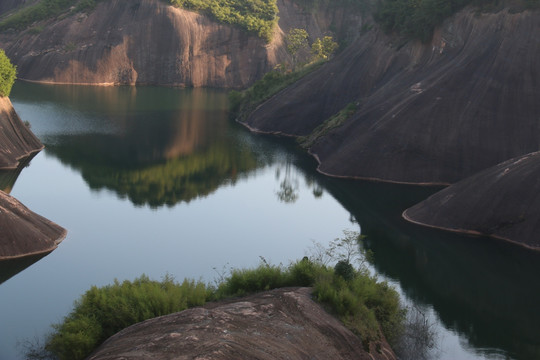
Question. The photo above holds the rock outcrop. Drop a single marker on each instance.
(502, 202)
(426, 113)
(23, 232)
(151, 42)
(279, 324)
(16, 139)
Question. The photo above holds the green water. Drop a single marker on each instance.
(159, 180)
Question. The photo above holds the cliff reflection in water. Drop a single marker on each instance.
(159, 149)
(486, 290)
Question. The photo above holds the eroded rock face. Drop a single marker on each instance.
(151, 42)
(426, 113)
(16, 139)
(7, 5)
(502, 201)
(279, 324)
(23, 232)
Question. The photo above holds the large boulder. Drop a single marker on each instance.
(279, 324)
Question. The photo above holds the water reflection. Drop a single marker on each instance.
(487, 290)
(156, 147)
(9, 177)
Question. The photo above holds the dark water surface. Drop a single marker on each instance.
(159, 180)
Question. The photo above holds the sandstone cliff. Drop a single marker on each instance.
(151, 42)
(23, 232)
(16, 140)
(426, 113)
(502, 201)
(279, 324)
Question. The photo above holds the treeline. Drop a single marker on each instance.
(255, 16)
(418, 18)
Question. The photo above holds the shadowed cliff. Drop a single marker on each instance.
(151, 42)
(16, 140)
(23, 232)
(425, 113)
(502, 201)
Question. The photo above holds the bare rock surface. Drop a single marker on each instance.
(279, 324)
(426, 113)
(16, 139)
(502, 202)
(23, 232)
(151, 42)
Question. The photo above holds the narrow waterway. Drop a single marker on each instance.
(159, 181)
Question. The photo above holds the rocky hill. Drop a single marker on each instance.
(23, 232)
(502, 201)
(426, 113)
(151, 42)
(16, 140)
(279, 324)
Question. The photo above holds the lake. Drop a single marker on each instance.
(158, 181)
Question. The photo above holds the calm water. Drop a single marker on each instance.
(156, 181)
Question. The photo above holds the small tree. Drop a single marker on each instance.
(324, 48)
(297, 40)
(8, 73)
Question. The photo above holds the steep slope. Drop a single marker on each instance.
(7, 5)
(426, 113)
(151, 42)
(16, 140)
(23, 232)
(502, 201)
(279, 324)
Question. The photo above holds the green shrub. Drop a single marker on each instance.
(8, 73)
(255, 16)
(102, 312)
(345, 270)
(363, 304)
(243, 103)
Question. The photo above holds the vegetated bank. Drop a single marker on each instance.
(365, 306)
(153, 42)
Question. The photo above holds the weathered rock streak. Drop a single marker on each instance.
(427, 113)
(151, 42)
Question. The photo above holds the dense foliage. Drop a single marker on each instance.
(102, 312)
(358, 299)
(256, 16)
(8, 72)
